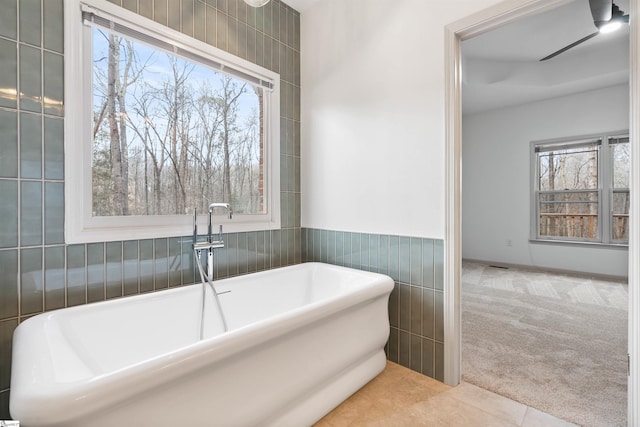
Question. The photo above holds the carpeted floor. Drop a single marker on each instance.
(553, 342)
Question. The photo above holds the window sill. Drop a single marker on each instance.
(105, 229)
(621, 246)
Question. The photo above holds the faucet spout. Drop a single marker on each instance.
(226, 206)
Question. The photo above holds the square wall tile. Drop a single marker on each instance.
(439, 315)
(8, 20)
(415, 360)
(30, 213)
(233, 37)
(53, 213)
(160, 11)
(113, 269)
(173, 14)
(53, 148)
(211, 26)
(222, 30)
(175, 261)
(428, 357)
(199, 21)
(161, 257)
(405, 307)
(6, 338)
(416, 261)
(276, 249)
(76, 275)
(130, 267)
(188, 262)
(416, 309)
(439, 362)
(252, 259)
(53, 84)
(438, 264)
(145, 271)
(404, 348)
(131, 5)
(405, 260)
(9, 141)
(187, 17)
(8, 72)
(383, 254)
(394, 257)
(95, 272)
(145, 8)
(30, 145)
(394, 306)
(427, 263)
(54, 278)
(53, 29)
(30, 79)
(393, 345)
(428, 313)
(8, 213)
(31, 281)
(30, 21)
(8, 284)
(373, 252)
(243, 256)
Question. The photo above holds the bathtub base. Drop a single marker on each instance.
(312, 408)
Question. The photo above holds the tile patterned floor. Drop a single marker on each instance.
(401, 397)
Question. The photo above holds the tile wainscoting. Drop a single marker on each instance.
(416, 310)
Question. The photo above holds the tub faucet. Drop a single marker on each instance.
(210, 243)
(218, 243)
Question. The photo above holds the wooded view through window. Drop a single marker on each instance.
(620, 155)
(170, 135)
(577, 184)
(568, 183)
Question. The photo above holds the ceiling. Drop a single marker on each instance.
(501, 68)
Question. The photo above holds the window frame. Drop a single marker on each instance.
(80, 224)
(612, 189)
(604, 190)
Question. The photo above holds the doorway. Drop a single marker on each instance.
(465, 29)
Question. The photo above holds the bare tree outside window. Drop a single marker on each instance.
(577, 182)
(568, 184)
(171, 135)
(620, 154)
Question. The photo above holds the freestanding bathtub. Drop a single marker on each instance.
(301, 339)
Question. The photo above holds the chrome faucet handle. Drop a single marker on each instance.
(226, 206)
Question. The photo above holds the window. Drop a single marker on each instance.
(620, 160)
(581, 190)
(160, 124)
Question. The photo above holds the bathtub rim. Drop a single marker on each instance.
(104, 390)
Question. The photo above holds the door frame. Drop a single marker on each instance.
(473, 25)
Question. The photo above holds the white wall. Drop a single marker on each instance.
(372, 143)
(496, 181)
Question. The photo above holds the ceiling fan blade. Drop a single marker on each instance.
(600, 10)
(574, 44)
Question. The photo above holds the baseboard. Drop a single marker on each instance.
(532, 268)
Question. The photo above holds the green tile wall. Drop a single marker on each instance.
(416, 311)
(38, 271)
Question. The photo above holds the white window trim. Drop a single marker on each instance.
(605, 165)
(80, 225)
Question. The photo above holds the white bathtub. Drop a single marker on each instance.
(301, 340)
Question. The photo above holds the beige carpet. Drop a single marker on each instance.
(553, 342)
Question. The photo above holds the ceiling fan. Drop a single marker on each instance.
(607, 17)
